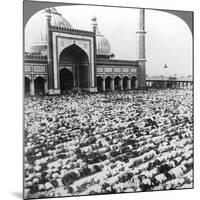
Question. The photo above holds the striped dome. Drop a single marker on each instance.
(102, 45)
(36, 33)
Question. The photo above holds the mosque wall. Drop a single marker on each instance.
(113, 70)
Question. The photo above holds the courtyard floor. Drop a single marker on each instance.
(108, 143)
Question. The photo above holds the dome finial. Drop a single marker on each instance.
(94, 18)
(94, 22)
(51, 10)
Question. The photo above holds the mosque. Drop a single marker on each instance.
(63, 58)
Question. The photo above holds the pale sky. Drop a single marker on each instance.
(168, 38)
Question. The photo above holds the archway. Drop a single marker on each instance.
(27, 85)
(76, 59)
(99, 83)
(117, 85)
(133, 82)
(108, 81)
(169, 84)
(66, 80)
(39, 85)
(125, 82)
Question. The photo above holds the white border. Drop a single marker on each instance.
(11, 100)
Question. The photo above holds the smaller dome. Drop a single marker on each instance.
(102, 45)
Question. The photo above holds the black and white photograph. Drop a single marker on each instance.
(108, 99)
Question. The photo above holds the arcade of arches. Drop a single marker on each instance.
(35, 86)
(67, 82)
(116, 83)
(169, 84)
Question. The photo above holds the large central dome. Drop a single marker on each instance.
(37, 33)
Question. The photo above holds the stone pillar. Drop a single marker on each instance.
(46, 87)
(78, 77)
(185, 85)
(176, 85)
(141, 50)
(165, 85)
(32, 87)
(94, 26)
(190, 85)
(121, 83)
(172, 85)
(150, 84)
(74, 74)
(104, 85)
(136, 84)
(112, 84)
(49, 53)
(180, 85)
(129, 84)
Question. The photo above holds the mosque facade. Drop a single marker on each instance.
(62, 58)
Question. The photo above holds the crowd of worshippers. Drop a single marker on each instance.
(80, 144)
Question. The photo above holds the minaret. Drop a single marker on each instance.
(141, 51)
(94, 26)
(49, 53)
